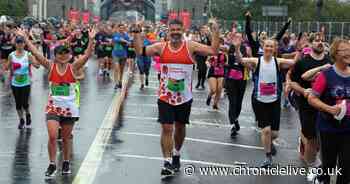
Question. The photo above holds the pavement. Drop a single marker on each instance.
(117, 139)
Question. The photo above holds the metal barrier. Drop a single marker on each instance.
(332, 29)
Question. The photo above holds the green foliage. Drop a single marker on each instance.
(301, 10)
(16, 8)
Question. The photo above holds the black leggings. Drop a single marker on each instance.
(202, 72)
(235, 92)
(335, 147)
(21, 95)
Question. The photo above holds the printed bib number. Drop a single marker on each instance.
(176, 85)
(235, 74)
(108, 49)
(78, 50)
(268, 89)
(21, 79)
(218, 71)
(60, 90)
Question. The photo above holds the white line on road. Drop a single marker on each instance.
(182, 160)
(88, 169)
(192, 108)
(196, 140)
(194, 122)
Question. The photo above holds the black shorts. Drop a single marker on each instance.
(169, 114)
(131, 54)
(308, 117)
(100, 54)
(61, 119)
(267, 114)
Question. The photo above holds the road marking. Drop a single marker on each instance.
(182, 160)
(156, 96)
(197, 140)
(88, 169)
(195, 122)
(192, 108)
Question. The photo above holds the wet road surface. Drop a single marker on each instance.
(128, 150)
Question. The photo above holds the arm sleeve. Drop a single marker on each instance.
(282, 31)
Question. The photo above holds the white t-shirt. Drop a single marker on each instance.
(267, 84)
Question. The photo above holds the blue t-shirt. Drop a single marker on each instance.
(120, 48)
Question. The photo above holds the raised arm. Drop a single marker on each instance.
(36, 53)
(80, 62)
(283, 30)
(248, 31)
(205, 50)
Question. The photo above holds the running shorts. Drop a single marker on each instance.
(169, 114)
(267, 114)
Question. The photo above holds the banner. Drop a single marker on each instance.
(86, 17)
(96, 19)
(172, 15)
(185, 16)
(74, 16)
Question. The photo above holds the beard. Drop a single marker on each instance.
(176, 38)
(318, 49)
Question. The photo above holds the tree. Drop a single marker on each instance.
(16, 8)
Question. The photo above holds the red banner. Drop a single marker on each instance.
(96, 19)
(172, 15)
(74, 15)
(86, 17)
(186, 18)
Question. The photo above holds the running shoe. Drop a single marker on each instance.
(146, 82)
(208, 100)
(66, 168)
(233, 132)
(317, 181)
(100, 72)
(238, 127)
(311, 175)
(21, 124)
(167, 170)
(197, 86)
(176, 163)
(28, 121)
(273, 150)
(142, 86)
(51, 171)
(267, 163)
(116, 86)
(215, 107)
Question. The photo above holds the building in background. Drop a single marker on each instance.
(161, 9)
(199, 9)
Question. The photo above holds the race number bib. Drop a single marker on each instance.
(60, 90)
(219, 71)
(268, 89)
(21, 79)
(176, 85)
(235, 74)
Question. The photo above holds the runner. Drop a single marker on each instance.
(267, 90)
(175, 93)
(235, 81)
(101, 44)
(121, 41)
(144, 65)
(216, 75)
(62, 109)
(19, 63)
(201, 60)
(318, 61)
(6, 47)
(330, 95)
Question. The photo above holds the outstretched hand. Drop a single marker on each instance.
(92, 33)
(214, 25)
(21, 32)
(248, 14)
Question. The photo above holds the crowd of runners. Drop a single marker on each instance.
(300, 70)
